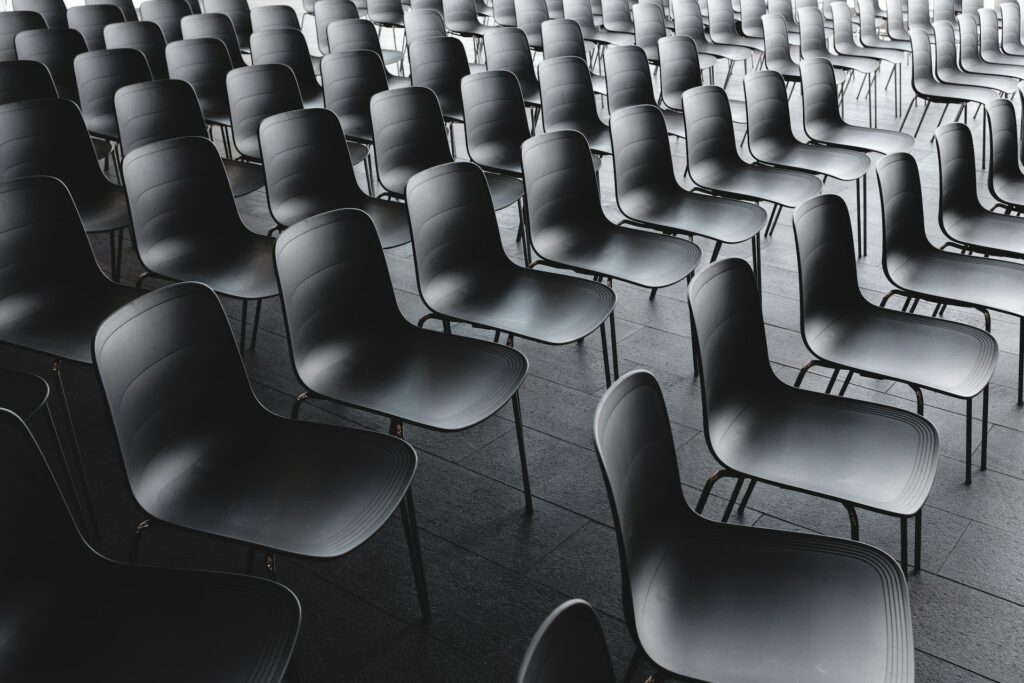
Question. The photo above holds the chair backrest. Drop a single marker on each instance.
(56, 49)
(617, 15)
(350, 79)
(688, 20)
(1011, 24)
(436, 5)
(710, 138)
(353, 34)
(826, 262)
(628, 76)
(168, 365)
(157, 110)
(127, 7)
(568, 646)
(386, 12)
(144, 36)
(819, 92)
(89, 20)
(215, 26)
(971, 7)
(784, 8)
(327, 11)
(921, 59)
(530, 14)
(580, 11)
(721, 21)
(408, 135)
(919, 15)
(266, 17)
(868, 12)
(254, 93)
(508, 49)
(812, 33)
(99, 75)
(1003, 141)
(842, 28)
(896, 19)
(556, 10)
(988, 28)
(751, 12)
(649, 24)
(566, 93)
(958, 178)
(454, 229)
(495, 115)
(24, 80)
(439, 64)
(305, 160)
(423, 23)
(776, 43)
(562, 38)
(943, 10)
(561, 187)
(13, 23)
(204, 64)
(903, 226)
(238, 12)
(640, 147)
(286, 46)
(53, 12)
(680, 68)
(166, 14)
(945, 48)
(768, 119)
(459, 12)
(969, 49)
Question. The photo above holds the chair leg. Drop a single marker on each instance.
(917, 541)
(969, 425)
(854, 524)
(614, 343)
(923, 115)
(633, 664)
(297, 403)
(518, 413)
(83, 483)
(604, 353)
(133, 553)
(710, 484)
(903, 545)
(732, 499)
(746, 496)
(803, 372)
(256, 324)
(1020, 365)
(910, 106)
(412, 538)
(245, 315)
(75, 497)
(984, 429)
(846, 384)
(832, 381)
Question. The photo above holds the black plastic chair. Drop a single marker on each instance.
(869, 34)
(462, 20)
(187, 228)
(777, 54)
(214, 26)
(193, 626)
(567, 101)
(165, 109)
(365, 354)
(845, 332)
(409, 137)
(99, 74)
(268, 17)
(722, 32)
(25, 80)
(238, 12)
(616, 16)
(715, 164)
(971, 59)
(254, 93)
(53, 12)
(948, 70)
(304, 160)
(564, 38)
(988, 30)
(439, 64)
(530, 14)
(845, 44)
(427, 23)
(455, 235)
(649, 28)
(127, 7)
(690, 23)
(629, 82)
(503, 11)
(351, 78)
(360, 34)
(569, 229)
(920, 271)
(1011, 35)
(53, 295)
(179, 397)
(681, 68)
(167, 14)
(385, 13)
(507, 49)
(582, 12)
(204, 64)
(1005, 179)
(56, 49)
(13, 23)
(89, 20)
(144, 36)
(649, 195)
(288, 46)
(717, 602)
(569, 645)
(326, 12)
(496, 125)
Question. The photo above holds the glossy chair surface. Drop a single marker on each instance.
(265, 17)
(507, 49)
(89, 20)
(361, 34)
(167, 14)
(25, 80)
(350, 79)
(1005, 179)
(496, 125)
(567, 101)
(288, 46)
(439, 64)
(56, 49)
(254, 93)
(53, 12)
(328, 12)
(127, 7)
(144, 36)
(238, 12)
(13, 23)
(217, 26)
(204, 64)
(99, 74)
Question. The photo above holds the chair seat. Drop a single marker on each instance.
(153, 624)
(675, 123)
(61, 321)
(859, 138)
(103, 125)
(876, 54)
(731, 604)
(395, 82)
(597, 134)
(975, 66)
(882, 44)
(863, 65)
(505, 191)
(1004, 84)
(313, 98)
(440, 381)
(101, 148)
(599, 84)
(873, 456)
(642, 258)
(531, 92)
(651, 52)
(1009, 190)
(993, 284)
(742, 42)
(310, 489)
(451, 107)
(22, 393)
(841, 164)
(357, 152)
(942, 92)
(243, 177)
(241, 266)
(389, 218)
(469, 28)
(989, 232)
(730, 51)
(932, 353)
(607, 37)
(1000, 59)
(741, 181)
(544, 307)
(722, 220)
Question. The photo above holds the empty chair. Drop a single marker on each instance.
(204, 64)
(13, 23)
(56, 49)
(715, 164)
(99, 75)
(127, 7)
(988, 29)
(563, 38)
(238, 12)
(813, 45)
(496, 125)
(385, 13)
(703, 600)
(570, 643)
(267, 17)
(1005, 179)
(89, 20)
(971, 59)
(424, 23)
(567, 101)
(649, 195)
(1011, 35)
(24, 80)
(409, 137)
(333, 487)
(254, 93)
(195, 625)
(288, 46)
(461, 18)
(53, 12)
(582, 12)
(777, 55)
(919, 16)
(507, 49)
(629, 81)
(844, 43)
(947, 70)
(350, 79)
(649, 22)
(455, 237)
(168, 108)
(846, 332)
(215, 26)
(690, 23)
(918, 270)
(328, 11)
(896, 21)
(616, 16)
(439, 64)
(751, 12)
(722, 29)
(503, 11)
(187, 228)
(359, 34)
(681, 67)
(306, 165)
(144, 36)
(167, 14)
(869, 36)
(530, 14)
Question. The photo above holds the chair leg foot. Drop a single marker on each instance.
(133, 554)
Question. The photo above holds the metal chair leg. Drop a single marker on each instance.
(984, 428)
(854, 524)
(75, 497)
(518, 414)
(604, 353)
(903, 545)
(917, 541)
(746, 496)
(710, 484)
(83, 483)
(256, 324)
(297, 403)
(803, 372)
(133, 554)
(245, 315)
(732, 499)
(412, 537)
(970, 421)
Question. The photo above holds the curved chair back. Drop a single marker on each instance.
(561, 186)
(530, 14)
(504, 12)
(562, 38)
(567, 93)
(408, 135)
(305, 160)
(628, 76)
(680, 69)
(649, 25)
(784, 8)
(267, 17)
(568, 646)
(942, 10)
(353, 34)
(22, 80)
(903, 226)
(640, 147)
(385, 12)
(127, 7)
(896, 20)
(254, 93)
(777, 56)
(326, 12)
(439, 64)
(456, 12)
(688, 20)
(496, 125)
(56, 49)
(617, 16)
(89, 20)
(238, 12)
(923, 73)
(919, 15)
(971, 7)
(958, 177)
(1003, 141)
(166, 14)
(819, 93)
(424, 23)
(969, 50)
(812, 33)
(842, 28)
(350, 79)
(710, 140)
(286, 46)
(508, 49)
(157, 110)
(213, 26)
(580, 11)
(204, 64)
(988, 30)
(13, 23)
(144, 36)
(100, 74)
(1011, 27)
(751, 12)
(436, 5)
(945, 49)
(722, 22)
(768, 119)
(53, 12)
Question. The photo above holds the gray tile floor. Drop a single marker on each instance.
(494, 573)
